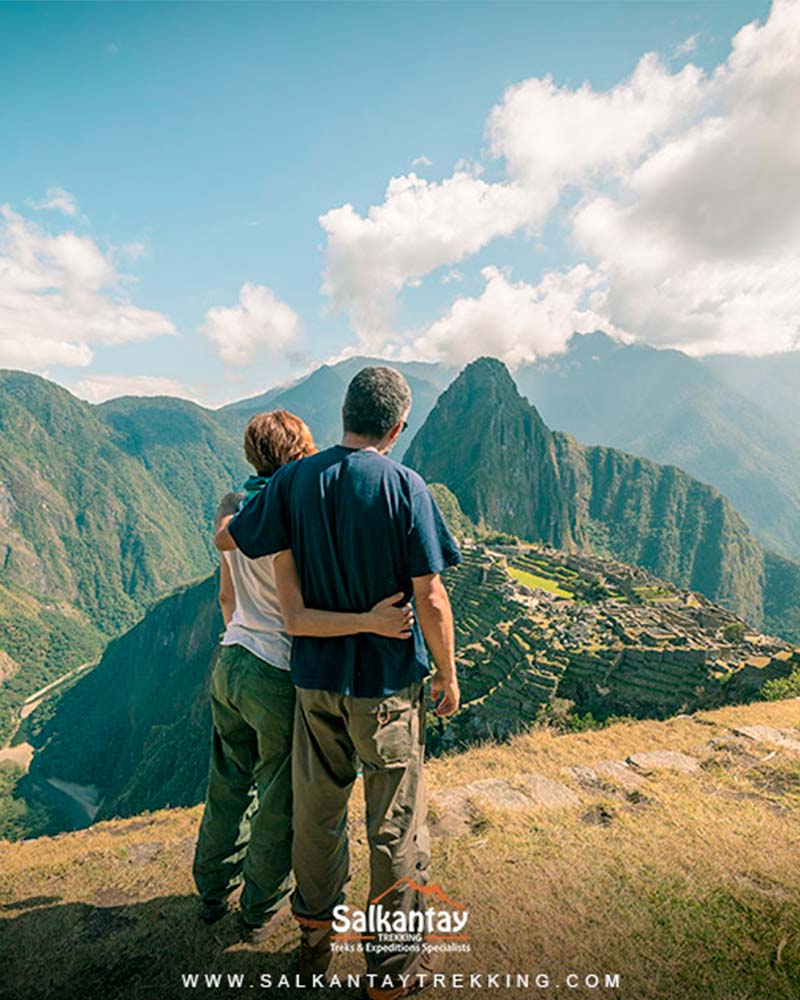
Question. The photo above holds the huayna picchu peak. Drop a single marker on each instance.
(509, 470)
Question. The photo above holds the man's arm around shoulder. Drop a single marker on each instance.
(436, 620)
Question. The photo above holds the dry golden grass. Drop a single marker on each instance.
(690, 891)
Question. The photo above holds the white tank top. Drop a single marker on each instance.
(257, 623)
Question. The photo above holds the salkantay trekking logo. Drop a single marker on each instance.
(440, 926)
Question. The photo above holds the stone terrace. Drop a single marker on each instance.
(535, 625)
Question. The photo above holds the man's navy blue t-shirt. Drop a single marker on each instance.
(360, 527)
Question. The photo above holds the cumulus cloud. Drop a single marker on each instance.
(99, 388)
(552, 137)
(421, 161)
(59, 200)
(259, 322)
(419, 227)
(515, 321)
(700, 244)
(549, 138)
(61, 294)
(685, 193)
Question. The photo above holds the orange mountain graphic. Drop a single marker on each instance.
(426, 890)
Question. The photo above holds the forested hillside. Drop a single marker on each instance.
(102, 511)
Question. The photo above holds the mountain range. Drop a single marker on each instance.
(318, 397)
(105, 508)
(509, 470)
(714, 418)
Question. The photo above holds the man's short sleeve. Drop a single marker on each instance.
(263, 526)
(432, 548)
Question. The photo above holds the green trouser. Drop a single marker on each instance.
(332, 733)
(246, 830)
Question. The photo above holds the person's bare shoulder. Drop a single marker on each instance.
(227, 508)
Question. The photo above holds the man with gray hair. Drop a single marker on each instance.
(359, 526)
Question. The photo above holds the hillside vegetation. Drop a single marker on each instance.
(508, 469)
(102, 510)
(686, 885)
(49, 638)
(146, 705)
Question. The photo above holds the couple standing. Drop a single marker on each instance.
(320, 538)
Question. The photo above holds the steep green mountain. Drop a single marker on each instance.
(318, 397)
(769, 382)
(84, 521)
(146, 705)
(782, 596)
(675, 410)
(102, 510)
(186, 449)
(508, 468)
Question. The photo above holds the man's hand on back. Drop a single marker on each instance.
(436, 619)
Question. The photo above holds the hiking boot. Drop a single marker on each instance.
(427, 966)
(316, 953)
(212, 910)
(261, 933)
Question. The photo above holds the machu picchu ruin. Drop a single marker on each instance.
(539, 630)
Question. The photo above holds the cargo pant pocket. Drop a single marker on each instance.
(385, 730)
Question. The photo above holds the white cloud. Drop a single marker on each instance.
(548, 137)
(59, 200)
(260, 321)
(700, 244)
(552, 137)
(421, 161)
(686, 47)
(59, 295)
(686, 202)
(420, 226)
(99, 388)
(516, 322)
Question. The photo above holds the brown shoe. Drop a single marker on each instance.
(261, 933)
(316, 953)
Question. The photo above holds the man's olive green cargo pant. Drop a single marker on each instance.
(246, 831)
(333, 732)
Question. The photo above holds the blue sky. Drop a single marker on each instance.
(201, 143)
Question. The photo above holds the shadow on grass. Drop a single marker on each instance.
(133, 950)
